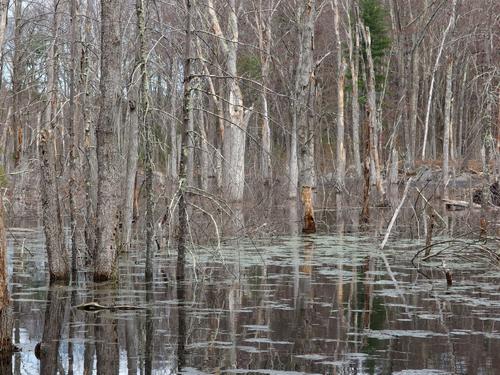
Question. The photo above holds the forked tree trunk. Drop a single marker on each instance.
(107, 151)
(235, 128)
(58, 258)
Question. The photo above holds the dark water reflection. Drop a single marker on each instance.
(316, 304)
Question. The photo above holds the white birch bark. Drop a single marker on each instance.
(433, 78)
(341, 67)
(353, 44)
(372, 113)
(234, 139)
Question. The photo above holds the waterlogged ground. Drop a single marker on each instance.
(324, 304)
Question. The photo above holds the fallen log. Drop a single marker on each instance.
(454, 205)
(94, 306)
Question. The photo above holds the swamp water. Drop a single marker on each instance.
(323, 304)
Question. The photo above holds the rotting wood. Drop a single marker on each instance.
(309, 223)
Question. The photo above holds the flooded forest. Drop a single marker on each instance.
(276, 187)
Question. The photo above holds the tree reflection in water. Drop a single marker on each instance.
(55, 315)
(106, 335)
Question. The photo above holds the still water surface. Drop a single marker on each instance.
(289, 305)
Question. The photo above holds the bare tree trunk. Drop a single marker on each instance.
(173, 126)
(58, 259)
(354, 45)
(107, 153)
(414, 106)
(148, 136)
(293, 168)
(235, 128)
(341, 67)
(447, 126)
(132, 157)
(4, 5)
(90, 142)
(304, 97)
(205, 150)
(186, 108)
(433, 77)
(72, 129)
(17, 74)
(461, 115)
(372, 113)
(134, 106)
(6, 321)
(263, 24)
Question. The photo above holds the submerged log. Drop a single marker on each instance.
(309, 223)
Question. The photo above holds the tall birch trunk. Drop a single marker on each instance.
(341, 67)
(447, 126)
(235, 128)
(433, 78)
(263, 23)
(58, 259)
(372, 113)
(107, 152)
(354, 44)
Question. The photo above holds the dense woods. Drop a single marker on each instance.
(157, 123)
(118, 112)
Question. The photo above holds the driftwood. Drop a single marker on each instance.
(454, 205)
(396, 213)
(95, 306)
